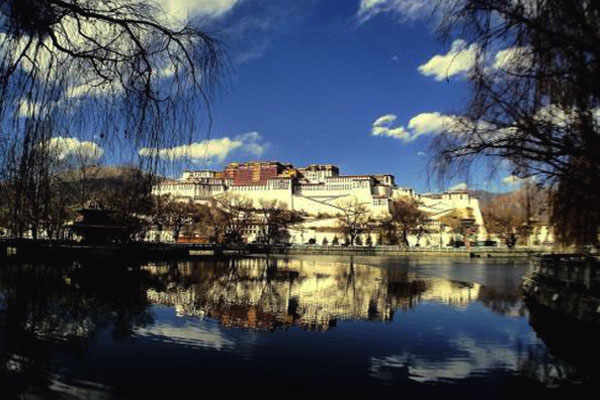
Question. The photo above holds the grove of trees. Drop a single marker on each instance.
(407, 218)
(227, 219)
(513, 216)
(49, 205)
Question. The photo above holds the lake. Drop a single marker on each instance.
(424, 327)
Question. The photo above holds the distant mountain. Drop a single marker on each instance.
(486, 198)
(515, 200)
(99, 172)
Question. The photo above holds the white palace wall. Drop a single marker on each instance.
(325, 196)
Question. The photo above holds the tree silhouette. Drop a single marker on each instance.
(535, 101)
(120, 71)
(273, 218)
(405, 217)
(353, 218)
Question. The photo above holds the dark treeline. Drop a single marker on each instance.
(41, 202)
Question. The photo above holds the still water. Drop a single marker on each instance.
(422, 327)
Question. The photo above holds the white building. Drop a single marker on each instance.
(317, 190)
(314, 189)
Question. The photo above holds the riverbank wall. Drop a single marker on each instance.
(566, 284)
(51, 250)
(476, 252)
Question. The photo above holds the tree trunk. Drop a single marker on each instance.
(405, 238)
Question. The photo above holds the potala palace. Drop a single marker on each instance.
(316, 190)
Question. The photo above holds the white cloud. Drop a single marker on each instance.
(86, 90)
(459, 186)
(428, 123)
(515, 180)
(421, 124)
(405, 9)
(513, 59)
(460, 59)
(181, 10)
(68, 146)
(385, 119)
(383, 126)
(28, 109)
(218, 149)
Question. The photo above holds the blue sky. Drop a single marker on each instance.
(363, 84)
(312, 77)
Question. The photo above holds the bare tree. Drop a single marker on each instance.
(159, 217)
(511, 216)
(84, 168)
(128, 196)
(179, 217)
(406, 217)
(56, 53)
(237, 216)
(388, 233)
(170, 213)
(505, 222)
(461, 222)
(30, 181)
(59, 208)
(535, 101)
(353, 219)
(214, 222)
(274, 218)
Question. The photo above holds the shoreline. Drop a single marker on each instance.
(475, 252)
(28, 248)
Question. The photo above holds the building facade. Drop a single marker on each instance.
(318, 190)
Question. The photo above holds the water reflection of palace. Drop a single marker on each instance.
(267, 294)
(79, 330)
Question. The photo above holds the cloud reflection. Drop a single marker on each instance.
(467, 358)
(464, 356)
(191, 335)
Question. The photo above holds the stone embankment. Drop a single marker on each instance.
(410, 251)
(61, 249)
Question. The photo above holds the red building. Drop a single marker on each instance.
(254, 172)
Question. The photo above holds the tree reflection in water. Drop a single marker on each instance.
(504, 303)
(271, 294)
(573, 342)
(54, 316)
(46, 309)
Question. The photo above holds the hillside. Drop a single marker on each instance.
(516, 201)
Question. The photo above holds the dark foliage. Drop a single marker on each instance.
(535, 101)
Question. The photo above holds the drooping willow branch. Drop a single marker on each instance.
(92, 60)
(535, 103)
(120, 73)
